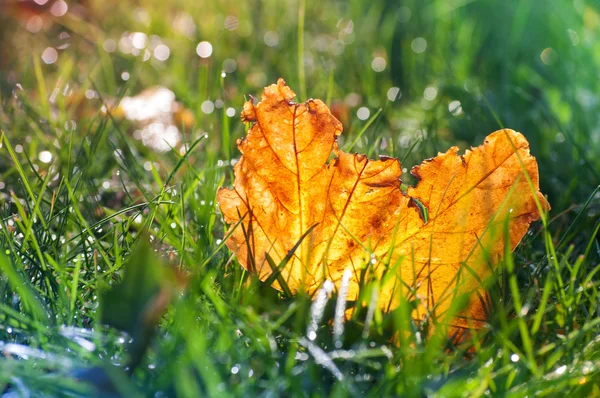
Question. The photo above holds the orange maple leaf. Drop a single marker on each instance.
(353, 215)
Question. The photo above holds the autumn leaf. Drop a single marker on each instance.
(355, 215)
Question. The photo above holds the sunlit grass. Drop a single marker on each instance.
(70, 224)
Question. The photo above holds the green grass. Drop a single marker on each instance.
(72, 228)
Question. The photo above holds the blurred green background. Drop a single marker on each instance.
(78, 186)
(528, 66)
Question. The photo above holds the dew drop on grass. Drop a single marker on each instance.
(514, 357)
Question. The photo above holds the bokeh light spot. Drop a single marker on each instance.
(231, 22)
(363, 113)
(109, 45)
(59, 8)
(184, 24)
(394, 93)
(271, 38)
(352, 99)
(229, 65)
(207, 107)
(337, 47)
(573, 37)
(404, 14)
(50, 55)
(45, 157)
(419, 45)
(204, 49)
(549, 56)
(430, 93)
(35, 24)
(455, 108)
(139, 40)
(162, 52)
(378, 64)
